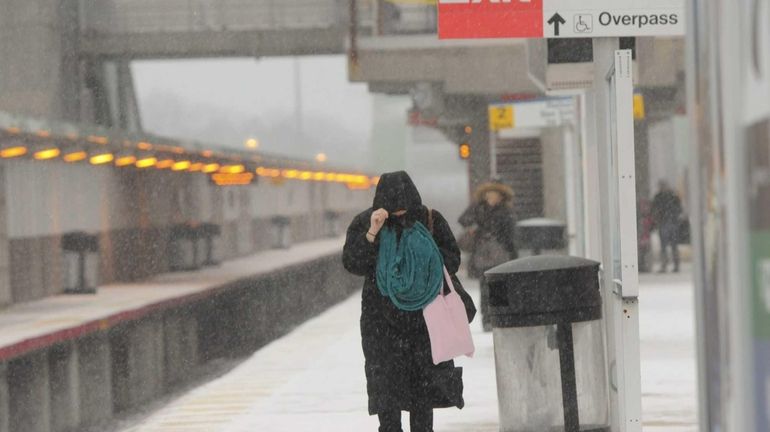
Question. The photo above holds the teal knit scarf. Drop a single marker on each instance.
(410, 271)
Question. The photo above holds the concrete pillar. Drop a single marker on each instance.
(144, 362)
(5, 403)
(30, 396)
(39, 74)
(95, 379)
(180, 343)
(64, 371)
(554, 193)
(6, 293)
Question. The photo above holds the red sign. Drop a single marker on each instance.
(480, 19)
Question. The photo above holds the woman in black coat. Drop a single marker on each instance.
(400, 374)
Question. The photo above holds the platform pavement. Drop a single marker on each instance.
(27, 327)
(312, 379)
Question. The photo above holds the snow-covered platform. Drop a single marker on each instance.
(313, 379)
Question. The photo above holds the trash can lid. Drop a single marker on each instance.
(540, 222)
(540, 263)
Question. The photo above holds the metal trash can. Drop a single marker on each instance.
(549, 347)
(211, 243)
(282, 232)
(331, 223)
(539, 234)
(81, 262)
(185, 252)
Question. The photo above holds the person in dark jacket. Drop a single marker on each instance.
(666, 213)
(400, 374)
(491, 220)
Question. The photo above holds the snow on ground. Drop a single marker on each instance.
(313, 380)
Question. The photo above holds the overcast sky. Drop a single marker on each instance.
(176, 96)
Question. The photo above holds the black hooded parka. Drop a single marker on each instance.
(400, 373)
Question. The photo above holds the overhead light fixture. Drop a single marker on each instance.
(75, 155)
(144, 145)
(102, 159)
(321, 157)
(146, 162)
(12, 152)
(47, 153)
(196, 167)
(210, 168)
(165, 163)
(305, 175)
(252, 143)
(232, 169)
(96, 139)
(181, 165)
(228, 179)
(125, 160)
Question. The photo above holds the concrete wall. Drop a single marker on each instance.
(133, 212)
(39, 74)
(85, 382)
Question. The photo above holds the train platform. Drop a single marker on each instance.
(312, 379)
(36, 325)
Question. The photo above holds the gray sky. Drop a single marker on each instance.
(225, 100)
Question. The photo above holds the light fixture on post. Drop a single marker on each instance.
(252, 143)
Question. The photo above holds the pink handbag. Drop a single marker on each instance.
(448, 328)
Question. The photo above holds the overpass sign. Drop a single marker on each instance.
(480, 19)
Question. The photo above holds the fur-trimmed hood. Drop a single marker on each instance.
(504, 190)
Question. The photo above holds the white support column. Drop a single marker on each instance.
(615, 140)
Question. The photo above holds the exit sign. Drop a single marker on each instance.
(480, 19)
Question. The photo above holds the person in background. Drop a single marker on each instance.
(666, 214)
(644, 230)
(490, 219)
(392, 246)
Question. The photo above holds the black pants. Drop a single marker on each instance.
(669, 238)
(418, 421)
